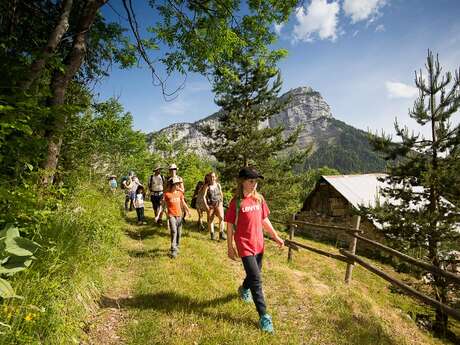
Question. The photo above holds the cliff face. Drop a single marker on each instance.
(343, 147)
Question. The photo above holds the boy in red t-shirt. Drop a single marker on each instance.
(247, 217)
(173, 199)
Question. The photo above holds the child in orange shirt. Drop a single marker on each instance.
(174, 200)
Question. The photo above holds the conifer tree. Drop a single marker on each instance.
(247, 90)
(415, 212)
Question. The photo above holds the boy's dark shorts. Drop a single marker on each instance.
(155, 198)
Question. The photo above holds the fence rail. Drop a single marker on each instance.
(409, 290)
(349, 256)
(422, 264)
(296, 245)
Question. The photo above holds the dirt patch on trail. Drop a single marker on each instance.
(103, 330)
(108, 318)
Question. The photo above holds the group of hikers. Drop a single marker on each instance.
(246, 218)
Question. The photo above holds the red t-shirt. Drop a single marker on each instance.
(173, 203)
(249, 237)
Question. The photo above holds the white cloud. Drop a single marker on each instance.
(319, 18)
(380, 28)
(278, 28)
(360, 10)
(400, 90)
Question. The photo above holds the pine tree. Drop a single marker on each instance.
(416, 213)
(247, 91)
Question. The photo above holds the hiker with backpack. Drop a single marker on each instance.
(198, 203)
(246, 216)
(134, 183)
(155, 186)
(214, 203)
(125, 185)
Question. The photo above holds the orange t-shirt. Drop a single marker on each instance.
(173, 202)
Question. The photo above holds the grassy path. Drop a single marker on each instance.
(152, 299)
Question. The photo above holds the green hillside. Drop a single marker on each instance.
(348, 151)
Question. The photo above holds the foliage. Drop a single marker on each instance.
(77, 241)
(414, 211)
(16, 254)
(102, 139)
(202, 36)
(30, 114)
(247, 93)
(195, 37)
(21, 144)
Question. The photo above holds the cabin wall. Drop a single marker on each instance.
(326, 206)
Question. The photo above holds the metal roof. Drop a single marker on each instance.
(364, 190)
(359, 190)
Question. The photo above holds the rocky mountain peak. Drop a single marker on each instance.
(305, 107)
(333, 142)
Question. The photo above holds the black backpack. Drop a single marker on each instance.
(122, 182)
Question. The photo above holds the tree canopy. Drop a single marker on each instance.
(50, 52)
(416, 213)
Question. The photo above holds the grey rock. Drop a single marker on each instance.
(333, 143)
(306, 107)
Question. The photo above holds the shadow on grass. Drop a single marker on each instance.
(133, 220)
(195, 226)
(144, 231)
(167, 302)
(151, 253)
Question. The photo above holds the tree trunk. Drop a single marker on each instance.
(12, 7)
(60, 83)
(53, 41)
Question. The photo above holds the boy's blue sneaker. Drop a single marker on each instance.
(266, 324)
(245, 294)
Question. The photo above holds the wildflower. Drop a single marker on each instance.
(28, 317)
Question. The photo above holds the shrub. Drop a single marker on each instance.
(79, 238)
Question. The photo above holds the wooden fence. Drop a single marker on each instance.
(349, 256)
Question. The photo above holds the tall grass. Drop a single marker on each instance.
(79, 238)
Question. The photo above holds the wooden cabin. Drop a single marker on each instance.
(334, 201)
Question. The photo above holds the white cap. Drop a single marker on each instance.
(173, 166)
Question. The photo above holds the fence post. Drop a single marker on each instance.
(352, 248)
(291, 237)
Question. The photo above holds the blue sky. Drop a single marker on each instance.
(360, 54)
